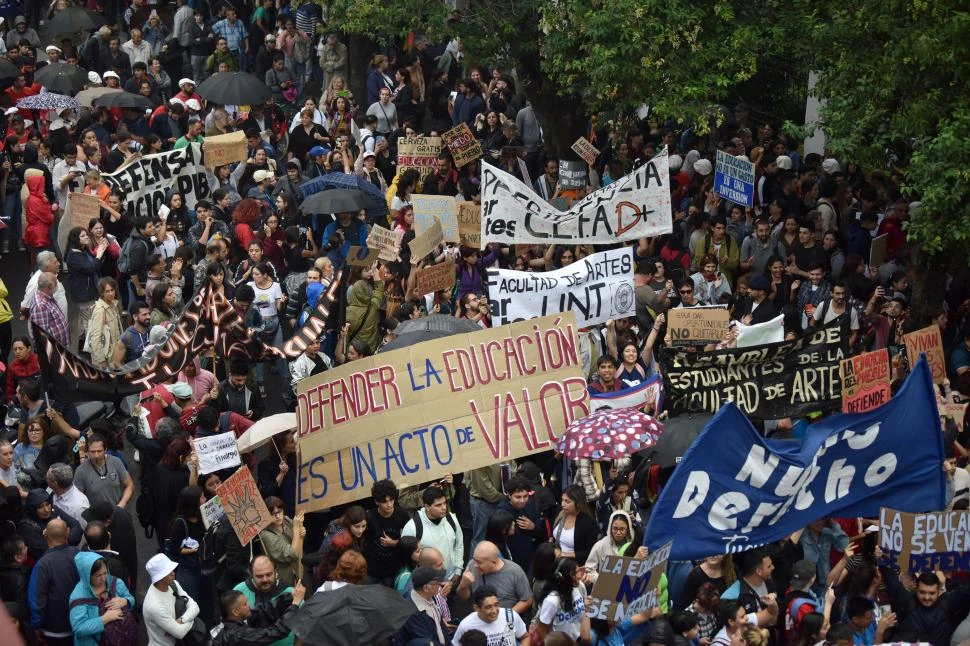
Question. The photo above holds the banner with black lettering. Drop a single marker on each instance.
(597, 288)
(145, 181)
(735, 490)
(633, 207)
(769, 381)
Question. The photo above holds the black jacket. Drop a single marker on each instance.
(934, 624)
(239, 633)
(13, 589)
(31, 528)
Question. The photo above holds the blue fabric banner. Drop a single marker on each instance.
(735, 490)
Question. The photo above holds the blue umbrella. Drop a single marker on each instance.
(48, 101)
(376, 206)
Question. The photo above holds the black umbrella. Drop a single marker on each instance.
(354, 615)
(123, 100)
(679, 433)
(339, 200)
(233, 88)
(62, 78)
(428, 328)
(72, 20)
(8, 71)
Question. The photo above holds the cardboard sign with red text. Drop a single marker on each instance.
(865, 381)
(927, 341)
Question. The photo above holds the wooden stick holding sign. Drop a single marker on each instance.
(435, 278)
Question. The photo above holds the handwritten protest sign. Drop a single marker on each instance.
(931, 541)
(420, 153)
(633, 207)
(83, 209)
(586, 150)
(217, 452)
(387, 243)
(470, 225)
(426, 242)
(212, 511)
(219, 150)
(865, 381)
(146, 180)
(462, 144)
(877, 250)
(927, 341)
(572, 174)
(626, 586)
(697, 325)
(244, 506)
(429, 207)
(441, 406)
(734, 178)
(436, 277)
(597, 288)
(362, 256)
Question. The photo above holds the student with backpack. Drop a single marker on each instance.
(434, 526)
(133, 259)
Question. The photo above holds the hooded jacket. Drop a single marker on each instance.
(363, 308)
(31, 528)
(606, 546)
(85, 620)
(39, 214)
(31, 161)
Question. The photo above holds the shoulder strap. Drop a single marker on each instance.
(418, 525)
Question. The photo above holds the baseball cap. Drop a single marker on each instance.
(675, 162)
(270, 38)
(159, 567)
(783, 162)
(192, 104)
(53, 47)
(367, 154)
(180, 390)
(94, 78)
(703, 166)
(261, 175)
(803, 571)
(831, 166)
(19, 20)
(316, 151)
(183, 81)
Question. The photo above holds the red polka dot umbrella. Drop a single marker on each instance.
(609, 434)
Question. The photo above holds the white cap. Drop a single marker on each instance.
(675, 162)
(783, 162)
(175, 100)
(110, 75)
(261, 175)
(831, 166)
(54, 47)
(185, 80)
(159, 567)
(94, 77)
(703, 167)
(10, 111)
(192, 104)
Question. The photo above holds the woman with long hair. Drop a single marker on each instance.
(337, 87)
(716, 570)
(562, 606)
(12, 160)
(403, 93)
(109, 259)
(84, 270)
(270, 300)
(732, 617)
(305, 134)
(94, 185)
(788, 235)
(104, 328)
(781, 294)
(287, 210)
(377, 78)
(273, 239)
(246, 217)
(406, 552)
(242, 177)
(30, 440)
(406, 184)
(575, 530)
(163, 302)
(342, 534)
(283, 540)
(25, 364)
(175, 471)
(216, 279)
(350, 569)
(488, 130)
(299, 250)
(340, 116)
(499, 528)
(404, 221)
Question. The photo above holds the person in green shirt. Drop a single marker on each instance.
(193, 134)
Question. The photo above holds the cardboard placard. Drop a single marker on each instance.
(697, 325)
(470, 224)
(217, 452)
(462, 144)
(865, 381)
(927, 341)
(446, 405)
(244, 506)
(436, 277)
(931, 541)
(212, 511)
(586, 150)
(572, 174)
(362, 256)
(387, 243)
(877, 250)
(219, 150)
(625, 586)
(444, 208)
(734, 179)
(956, 412)
(420, 153)
(83, 208)
(426, 242)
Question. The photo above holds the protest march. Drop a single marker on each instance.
(310, 336)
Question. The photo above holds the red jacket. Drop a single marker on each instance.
(18, 370)
(39, 214)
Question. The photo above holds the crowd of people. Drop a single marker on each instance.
(504, 554)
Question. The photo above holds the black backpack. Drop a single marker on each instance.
(212, 547)
(419, 526)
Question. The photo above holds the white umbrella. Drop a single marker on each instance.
(263, 431)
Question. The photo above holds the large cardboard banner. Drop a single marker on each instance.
(767, 382)
(865, 381)
(462, 144)
(470, 224)
(426, 242)
(443, 208)
(734, 179)
(697, 325)
(146, 180)
(448, 405)
(930, 541)
(244, 506)
(420, 153)
(597, 288)
(927, 341)
(633, 207)
(625, 586)
(735, 490)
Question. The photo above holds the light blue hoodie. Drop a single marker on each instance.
(85, 620)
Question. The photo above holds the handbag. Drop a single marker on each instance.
(197, 635)
(105, 338)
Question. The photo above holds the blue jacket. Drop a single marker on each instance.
(82, 279)
(51, 581)
(465, 110)
(85, 620)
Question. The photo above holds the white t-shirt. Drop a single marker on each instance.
(570, 619)
(266, 299)
(504, 631)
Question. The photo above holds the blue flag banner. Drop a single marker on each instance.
(735, 490)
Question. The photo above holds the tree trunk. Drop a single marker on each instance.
(561, 117)
(360, 50)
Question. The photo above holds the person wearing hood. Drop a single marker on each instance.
(31, 161)
(96, 586)
(40, 217)
(619, 536)
(38, 512)
(530, 528)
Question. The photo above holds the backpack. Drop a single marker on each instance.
(123, 632)
(124, 258)
(419, 526)
(675, 268)
(212, 549)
